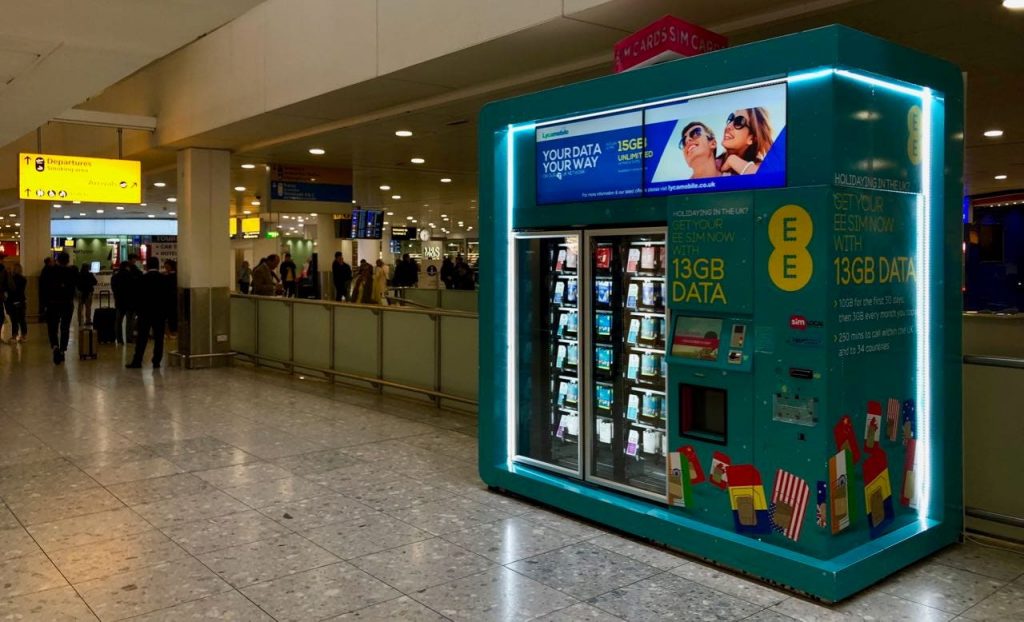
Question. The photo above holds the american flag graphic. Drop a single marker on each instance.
(789, 498)
(892, 418)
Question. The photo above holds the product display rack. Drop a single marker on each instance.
(627, 362)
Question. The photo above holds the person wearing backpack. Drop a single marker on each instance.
(86, 286)
(57, 284)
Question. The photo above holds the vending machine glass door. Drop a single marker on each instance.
(625, 368)
(549, 354)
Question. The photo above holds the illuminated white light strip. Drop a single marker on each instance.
(892, 86)
(511, 384)
(923, 452)
(659, 102)
(811, 75)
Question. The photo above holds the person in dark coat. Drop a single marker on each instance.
(16, 301)
(57, 284)
(289, 276)
(155, 300)
(341, 274)
(448, 273)
(86, 286)
(125, 283)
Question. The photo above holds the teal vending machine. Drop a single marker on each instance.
(721, 300)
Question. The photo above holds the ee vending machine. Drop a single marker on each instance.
(722, 305)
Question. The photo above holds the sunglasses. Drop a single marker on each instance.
(738, 121)
(694, 133)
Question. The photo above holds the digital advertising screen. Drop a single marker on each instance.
(732, 141)
(590, 160)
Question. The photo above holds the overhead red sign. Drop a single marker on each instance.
(665, 39)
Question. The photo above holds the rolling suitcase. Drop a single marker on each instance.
(86, 343)
(104, 319)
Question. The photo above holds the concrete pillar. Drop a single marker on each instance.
(368, 250)
(34, 217)
(204, 247)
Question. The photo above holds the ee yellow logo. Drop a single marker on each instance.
(790, 265)
(914, 135)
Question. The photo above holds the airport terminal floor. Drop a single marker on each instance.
(245, 494)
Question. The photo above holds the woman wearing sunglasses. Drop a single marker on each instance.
(747, 139)
(698, 145)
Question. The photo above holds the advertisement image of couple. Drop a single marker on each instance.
(745, 142)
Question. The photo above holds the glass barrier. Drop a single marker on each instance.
(428, 353)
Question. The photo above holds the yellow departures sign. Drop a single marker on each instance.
(45, 177)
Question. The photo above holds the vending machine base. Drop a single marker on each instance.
(828, 581)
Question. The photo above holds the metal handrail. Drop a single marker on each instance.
(1007, 362)
(432, 311)
(378, 381)
(415, 305)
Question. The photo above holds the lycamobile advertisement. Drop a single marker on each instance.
(733, 141)
(590, 160)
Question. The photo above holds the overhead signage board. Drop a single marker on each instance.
(47, 177)
(232, 227)
(732, 141)
(403, 233)
(367, 224)
(310, 197)
(311, 174)
(251, 227)
(665, 39)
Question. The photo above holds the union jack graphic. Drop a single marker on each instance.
(789, 501)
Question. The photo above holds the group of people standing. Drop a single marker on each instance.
(145, 303)
(457, 275)
(368, 285)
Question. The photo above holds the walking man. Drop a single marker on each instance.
(57, 284)
(341, 274)
(155, 300)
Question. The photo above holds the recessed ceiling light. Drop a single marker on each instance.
(81, 213)
(172, 200)
(254, 203)
(67, 217)
(408, 217)
(159, 184)
(56, 205)
(76, 202)
(391, 213)
(120, 208)
(99, 211)
(1014, 5)
(353, 201)
(385, 187)
(1000, 177)
(142, 204)
(312, 214)
(396, 196)
(248, 166)
(414, 220)
(446, 180)
(317, 151)
(239, 188)
(246, 212)
(172, 213)
(417, 160)
(403, 133)
(150, 215)
(993, 133)
(387, 223)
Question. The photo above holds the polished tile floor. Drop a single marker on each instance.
(243, 494)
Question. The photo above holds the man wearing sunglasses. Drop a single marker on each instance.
(698, 145)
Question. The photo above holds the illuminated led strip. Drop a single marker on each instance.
(512, 327)
(922, 458)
